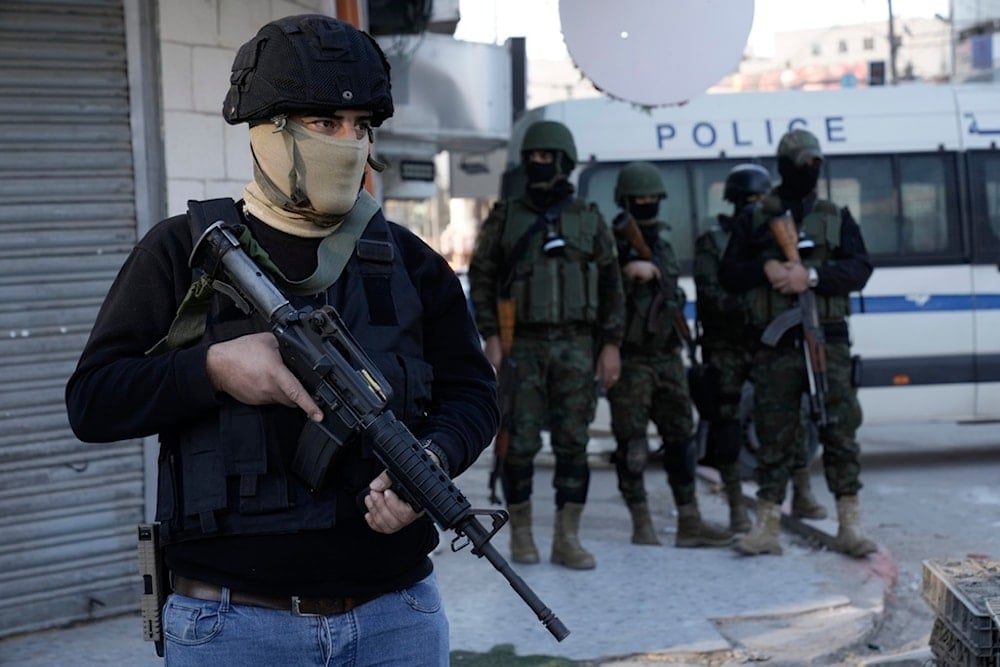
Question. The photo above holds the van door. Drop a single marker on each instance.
(984, 187)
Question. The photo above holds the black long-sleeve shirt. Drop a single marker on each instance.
(117, 392)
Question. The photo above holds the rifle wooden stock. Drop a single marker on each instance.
(506, 379)
(630, 228)
(506, 320)
(814, 340)
(787, 236)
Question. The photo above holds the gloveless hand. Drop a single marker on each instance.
(250, 369)
(641, 270)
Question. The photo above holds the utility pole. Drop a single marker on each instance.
(892, 46)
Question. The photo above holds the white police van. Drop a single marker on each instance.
(919, 167)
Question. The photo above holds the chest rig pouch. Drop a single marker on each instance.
(553, 289)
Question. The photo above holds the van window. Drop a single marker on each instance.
(984, 187)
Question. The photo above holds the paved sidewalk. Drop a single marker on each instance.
(642, 605)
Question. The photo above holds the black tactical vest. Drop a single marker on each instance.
(227, 472)
(721, 325)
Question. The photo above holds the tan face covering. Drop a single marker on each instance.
(304, 182)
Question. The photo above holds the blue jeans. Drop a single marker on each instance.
(407, 627)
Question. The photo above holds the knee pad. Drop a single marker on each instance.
(636, 454)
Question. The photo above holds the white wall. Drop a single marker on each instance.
(205, 156)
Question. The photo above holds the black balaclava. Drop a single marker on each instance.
(797, 182)
(642, 212)
(547, 183)
(540, 172)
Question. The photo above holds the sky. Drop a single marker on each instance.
(538, 20)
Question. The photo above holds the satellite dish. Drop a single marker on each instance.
(655, 52)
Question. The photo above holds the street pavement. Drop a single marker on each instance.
(642, 605)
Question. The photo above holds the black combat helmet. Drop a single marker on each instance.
(744, 181)
(307, 63)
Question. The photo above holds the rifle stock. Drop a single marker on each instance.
(321, 352)
(814, 340)
(506, 381)
(630, 230)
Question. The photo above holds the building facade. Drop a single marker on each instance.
(110, 120)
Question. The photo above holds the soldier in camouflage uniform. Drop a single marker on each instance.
(554, 255)
(727, 344)
(725, 339)
(653, 383)
(836, 265)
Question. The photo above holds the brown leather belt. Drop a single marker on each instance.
(300, 606)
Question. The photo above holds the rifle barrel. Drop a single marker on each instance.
(479, 538)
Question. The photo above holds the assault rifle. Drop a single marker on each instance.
(506, 382)
(629, 228)
(321, 352)
(805, 314)
(697, 373)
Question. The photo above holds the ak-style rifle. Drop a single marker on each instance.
(805, 314)
(506, 385)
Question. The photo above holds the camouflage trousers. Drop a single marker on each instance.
(779, 378)
(730, 366)
(654, 388)
(555, 391)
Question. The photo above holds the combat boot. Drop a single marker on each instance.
(804, 503)
(642, 524)
(739, 520)
(566, 547)
(522, 545)
(763, 537)
(693, 532)
(851, 540)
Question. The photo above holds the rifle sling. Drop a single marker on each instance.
(333, 253)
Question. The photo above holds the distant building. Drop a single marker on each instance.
(976, 30)
(847, 56)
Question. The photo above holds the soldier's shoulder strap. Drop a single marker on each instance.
(189, 320)
(332, 256)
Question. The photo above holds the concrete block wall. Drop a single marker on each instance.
(205, 157)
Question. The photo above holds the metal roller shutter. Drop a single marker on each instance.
(67, 220)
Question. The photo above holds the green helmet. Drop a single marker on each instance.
(549, 135)
(639, 179)
(798, 146)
